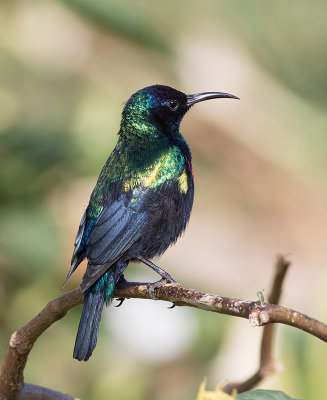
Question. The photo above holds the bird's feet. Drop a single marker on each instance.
(153, 286)
(166, 278)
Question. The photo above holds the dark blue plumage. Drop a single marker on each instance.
(141, 203)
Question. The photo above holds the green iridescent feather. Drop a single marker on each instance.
(143, 154)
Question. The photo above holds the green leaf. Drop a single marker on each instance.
(261, 394)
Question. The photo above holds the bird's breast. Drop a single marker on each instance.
(169, 209)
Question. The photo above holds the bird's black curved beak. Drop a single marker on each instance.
(196, 98)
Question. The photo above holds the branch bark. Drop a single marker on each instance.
(22, 341)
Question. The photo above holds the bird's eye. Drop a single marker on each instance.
(173, 105)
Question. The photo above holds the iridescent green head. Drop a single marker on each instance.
(157, 111)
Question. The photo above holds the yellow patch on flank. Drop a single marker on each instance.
(147, 180)
(127, 186)
(182, 182)
(152, 177)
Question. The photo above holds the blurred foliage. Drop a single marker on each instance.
(35, 161)
(288, 39)
(133, 23)
(65, 69)
(209, 340)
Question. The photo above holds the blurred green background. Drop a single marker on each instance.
(260, 166)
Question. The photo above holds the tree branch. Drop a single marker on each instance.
(267, 364)
(22, 341)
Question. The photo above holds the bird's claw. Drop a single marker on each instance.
(153, 286)
(121, 301)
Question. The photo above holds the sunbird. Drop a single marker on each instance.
(141, 203)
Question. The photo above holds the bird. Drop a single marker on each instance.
(141, 203)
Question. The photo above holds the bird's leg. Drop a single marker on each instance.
(166, 278)
(157, 269)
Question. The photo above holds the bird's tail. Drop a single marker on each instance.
(87, 334)
(102, 291)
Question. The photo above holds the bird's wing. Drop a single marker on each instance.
(120, 224)
(106, 232)
(111, 225)
(79, 253)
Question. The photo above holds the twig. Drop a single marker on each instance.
(252, 310)
(267, 364)
(22, 341)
